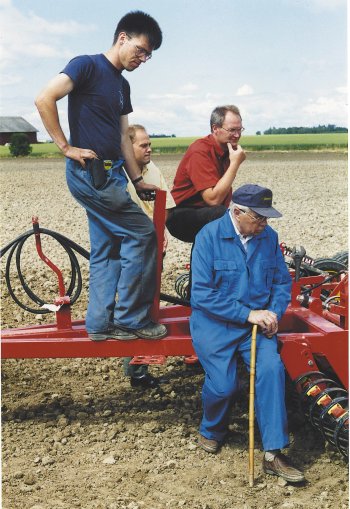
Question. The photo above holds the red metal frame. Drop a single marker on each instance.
(306, 335)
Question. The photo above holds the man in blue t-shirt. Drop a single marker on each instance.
(122, 237)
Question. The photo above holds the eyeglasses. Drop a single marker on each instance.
(234, 131)
(258, 218)
(140, 52)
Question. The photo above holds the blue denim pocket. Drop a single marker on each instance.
(113, 194)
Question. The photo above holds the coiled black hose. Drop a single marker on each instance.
(329, 278)
(321, 399)
(15, 248)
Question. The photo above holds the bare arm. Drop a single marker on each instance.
(131, 165)
(216, 195)
(46, 102)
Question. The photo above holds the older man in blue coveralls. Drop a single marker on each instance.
(239, 278)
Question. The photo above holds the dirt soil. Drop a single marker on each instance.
(76, 435)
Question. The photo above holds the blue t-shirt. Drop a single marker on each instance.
(100, 96)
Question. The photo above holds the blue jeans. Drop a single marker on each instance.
(122, 253)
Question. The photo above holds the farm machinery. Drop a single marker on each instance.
(312, 335)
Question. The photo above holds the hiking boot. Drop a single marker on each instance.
(151, 331)
(113, 333)
(208, 445)
(282, 467)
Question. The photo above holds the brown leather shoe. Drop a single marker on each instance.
(282, 467)
(208, 445)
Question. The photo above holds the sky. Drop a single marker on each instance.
(282, 62)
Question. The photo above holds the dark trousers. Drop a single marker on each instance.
(185, 222)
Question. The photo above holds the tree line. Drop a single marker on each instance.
(162, 135)
(330, 128)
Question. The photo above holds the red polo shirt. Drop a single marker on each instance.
(202, 166)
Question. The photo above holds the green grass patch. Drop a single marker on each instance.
(45, 150)
(276, 142)
(324, 141)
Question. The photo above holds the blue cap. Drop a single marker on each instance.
(257, 198)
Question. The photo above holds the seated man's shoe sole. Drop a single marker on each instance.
(208, 445)
(152, 331)
(282, 467)
(116, 333)
(145, 382)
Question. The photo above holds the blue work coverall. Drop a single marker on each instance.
(227, 283)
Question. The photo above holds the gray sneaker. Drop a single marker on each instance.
(151, 331)
(113, 333)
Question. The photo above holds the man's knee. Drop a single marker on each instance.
(270, 367)
(212, 213)
(185, 222)
(180, 226)
(223, 389)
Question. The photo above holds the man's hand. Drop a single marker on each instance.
(79, 154)
(271, 333)
(266, 319)
(146, 192)
(236, 154)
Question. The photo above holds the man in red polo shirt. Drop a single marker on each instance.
(203, 182)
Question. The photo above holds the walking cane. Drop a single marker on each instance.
(251, 406)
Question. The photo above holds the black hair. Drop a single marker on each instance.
(140, 23)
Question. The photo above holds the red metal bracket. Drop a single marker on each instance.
(63, 314)
(148, 359)
(36, 228)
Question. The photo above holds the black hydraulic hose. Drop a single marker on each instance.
(174, 300)
(326, 280)
(15, 247)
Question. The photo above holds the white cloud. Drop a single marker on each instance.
(10, 79)
(318, 5)
(245, 90)
(28, 35)
(156, 120)
(342, 90)
(203, 108)
(212, 97)
(189, 87)
(328, 108)
(172, 96)
(325, 4)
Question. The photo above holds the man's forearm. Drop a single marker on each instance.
(224, 185)
(49, 115)
(217, 194)
(131, 165)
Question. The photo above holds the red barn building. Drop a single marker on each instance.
(12, 125)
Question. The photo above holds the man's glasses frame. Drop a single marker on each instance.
(258, 218)
(140, 52)
(234, 131)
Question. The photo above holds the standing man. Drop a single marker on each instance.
(203, 182)
(122, 238)
(141, 144)
(239, 278)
